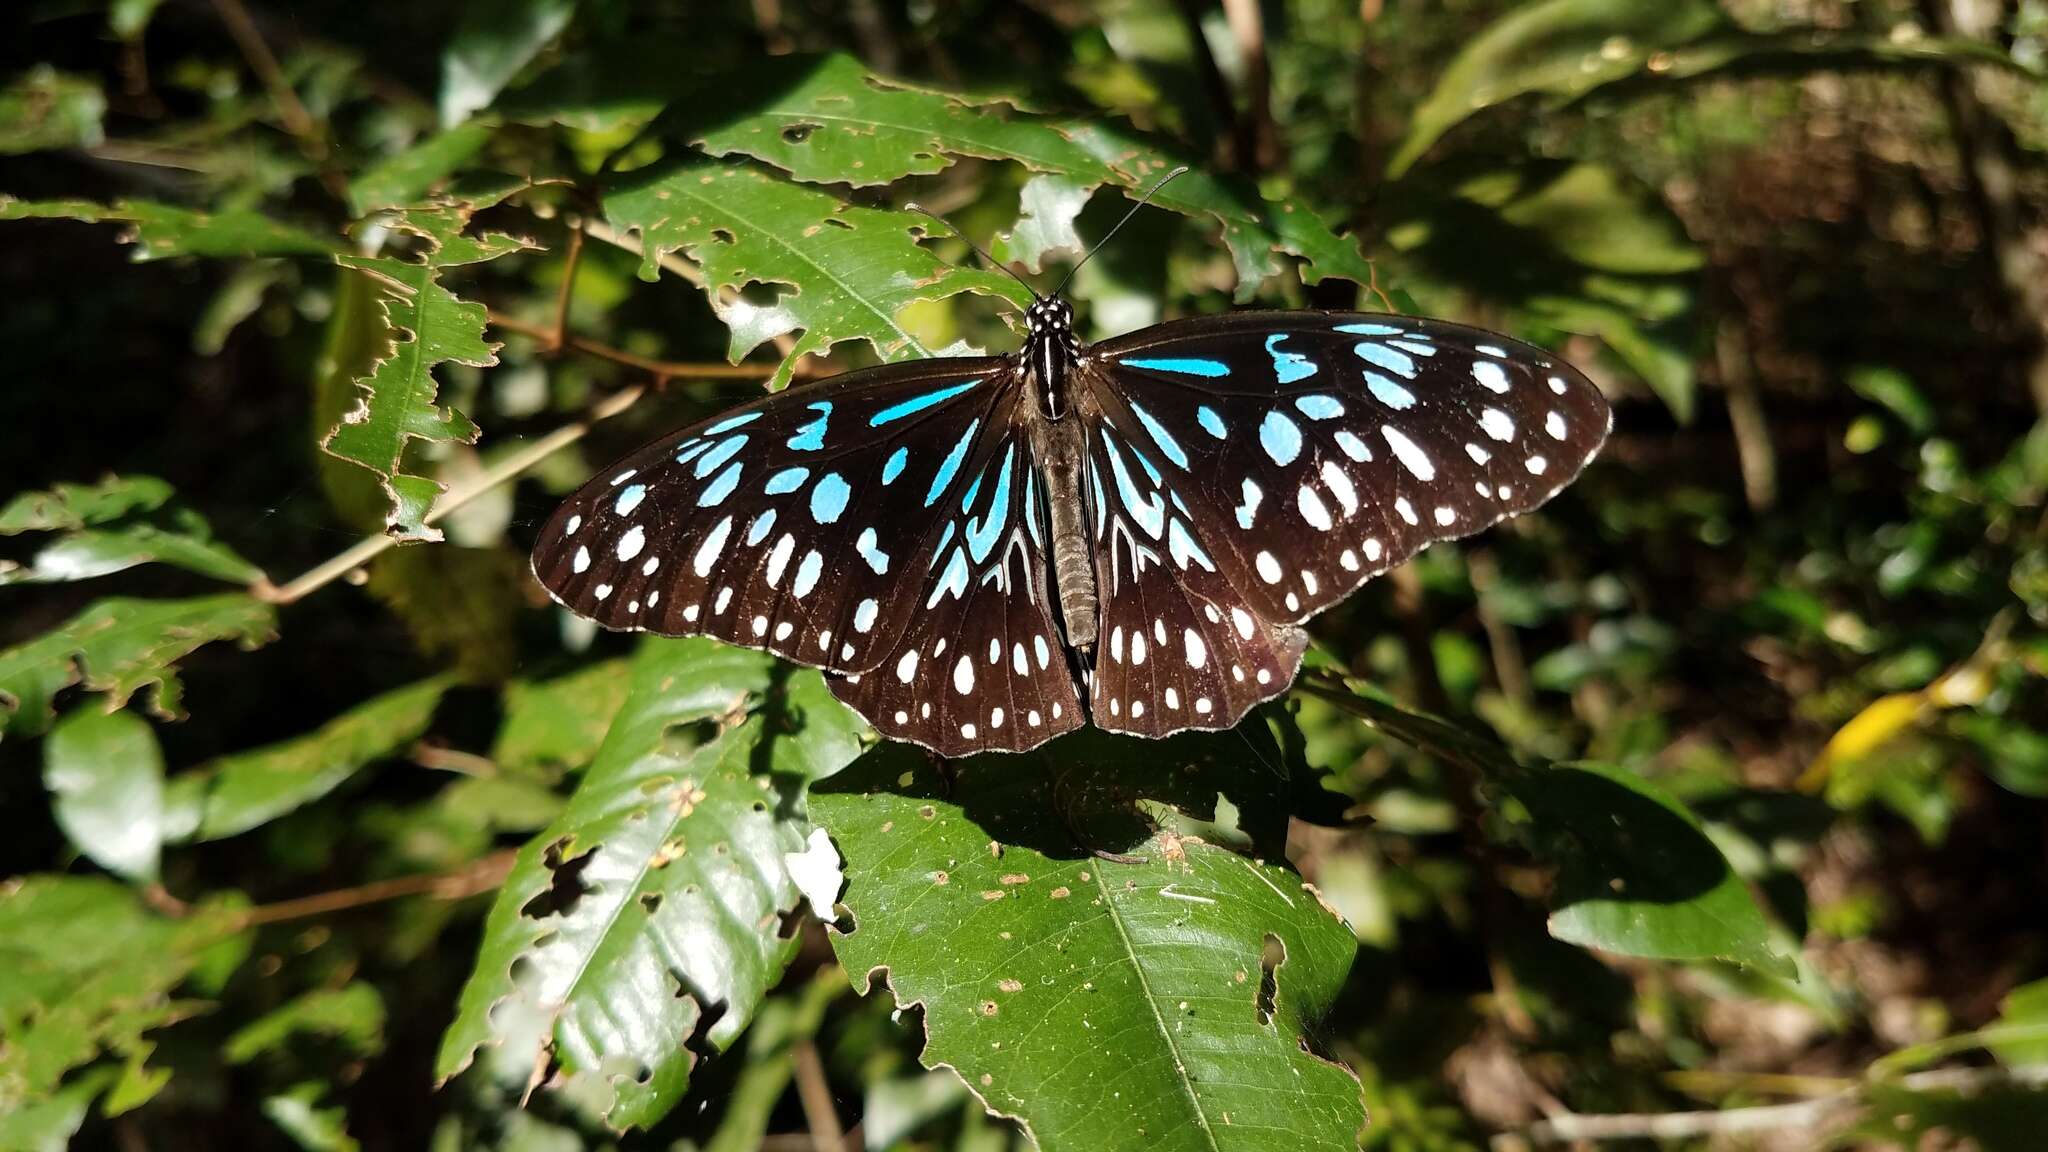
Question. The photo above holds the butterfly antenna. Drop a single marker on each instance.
(977, 249)
(1104, 242)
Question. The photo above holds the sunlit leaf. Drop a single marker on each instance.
(749, 228)
(242, 790)
(659, 892)
(89, 971)
(105, 774)
(311, 1127)
(428, 326)
(407, 176)
(1162, 1000)
(352, 1015)
(559, 723)
(112, 526)
(495, 40)
(120, 647)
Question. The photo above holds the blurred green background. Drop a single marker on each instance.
(1801, 244)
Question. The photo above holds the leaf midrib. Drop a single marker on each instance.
(1180, 1067)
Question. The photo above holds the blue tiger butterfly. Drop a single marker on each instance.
(985, 552)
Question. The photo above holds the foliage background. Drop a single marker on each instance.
(1737, 796)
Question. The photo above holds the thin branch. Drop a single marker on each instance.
(662, 370)
(363, 551)
(815, 1094)
(570, 260)
(1804, 1114)
(297, 120)
(1248, 28)
(476, 877)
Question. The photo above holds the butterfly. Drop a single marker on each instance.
(985, 552)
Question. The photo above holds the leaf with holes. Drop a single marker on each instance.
(111, 526)
(831, 121)
(646, 923)
(120, 647)
(427, 326)
(1157, 1001)
(244, 790)
(89, 971)
(848, 272)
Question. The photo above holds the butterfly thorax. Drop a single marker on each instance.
(1046, 364)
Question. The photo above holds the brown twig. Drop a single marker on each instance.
(661, 370)
(815, 1094)
(297, 121)
(570, 260)
(478, 876)
(1248, 28)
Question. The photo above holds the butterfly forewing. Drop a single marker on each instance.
(804, 523)
(982, 665)
(1249, 471)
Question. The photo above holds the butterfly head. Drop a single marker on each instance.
(1049, 350)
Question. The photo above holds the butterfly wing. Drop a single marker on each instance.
(803, 523)
(982, 666)
(1251, 470)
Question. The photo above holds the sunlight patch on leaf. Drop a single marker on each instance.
(112, 526)
(105, 773)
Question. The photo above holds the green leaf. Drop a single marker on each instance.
(554, 725)
(747, 227)
(352, 1014)
(44, 108)
(310, 1126)
(89, 971)
(428, 325)
(48, 1124)
(1046, 211)
(160, 231)
(105, 774)
(831, 121)
(495, 40)
(661, 890)
(245, 790)
(128, 19)
(104, 533)
(1636, 873)
(1104, 1004)
(120, 647)
(409, 175)
(461, 605)
(2025, 1007)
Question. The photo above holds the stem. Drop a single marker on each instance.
(297, 120)
(570, 260)
(661, 370)
(478, 876)
(506, 469)
(816, 1097)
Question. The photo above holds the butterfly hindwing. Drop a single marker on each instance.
(803, 523)
(982, 666)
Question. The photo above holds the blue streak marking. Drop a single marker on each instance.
(953, 579)
(1210, 422)
(981, 536)
(1384, 357)
(811, 437)
(876, 558)
(973, 490)
(1352, 445)
(917, 404)
(1250, 507)
(629, 499)
(1280, 437)
(715, 459)
(758, 531)
(1418, 349)
(894, 467)
(1160, 436)
(1150, 515)
(951, 464)
(1145, 462)
(691, 447)
(1182, 547)
(1288, 366)
(786, 481)
(1369, 330)
(1185, 366)
(944, 539)
(828, 497)
(732, 422)
(1317, 406)
(1389, 393)
(716, 492)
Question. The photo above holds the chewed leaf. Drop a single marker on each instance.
(831, 121)
(645, 924)
(159, 230)
(1161, 1001)
(428, 326)
(120, 647)
(748, 228)
(111, 526)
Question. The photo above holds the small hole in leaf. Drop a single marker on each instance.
(650, 902)
(565, 887)
(682, 739)
(843, 921)
(836, 222)
(798, 133)
(724, 236)
(1271, 957)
